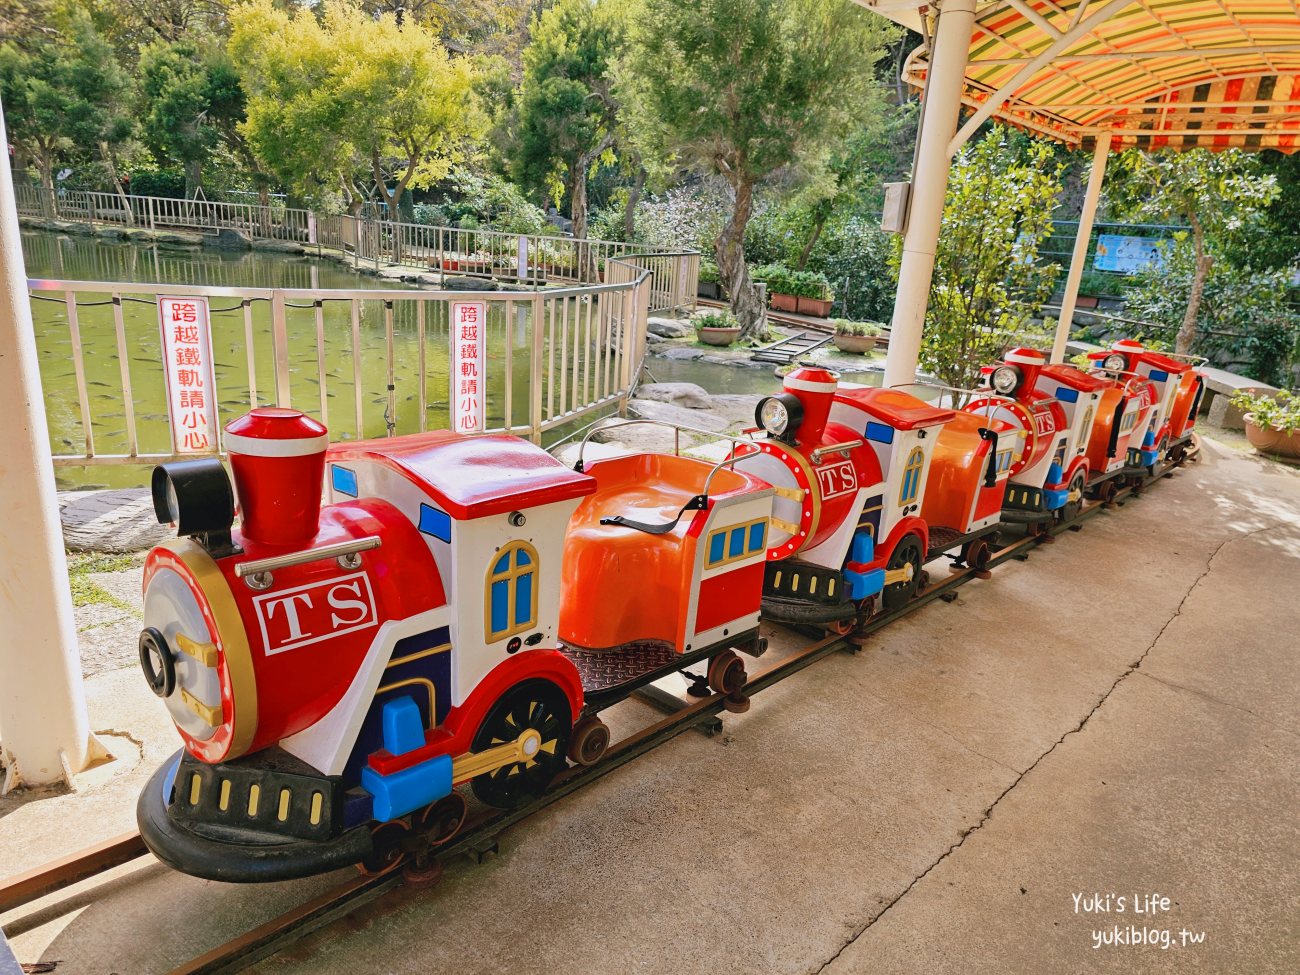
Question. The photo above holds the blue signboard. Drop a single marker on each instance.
(1128, 255)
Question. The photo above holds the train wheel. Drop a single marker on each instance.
(906, 552)
(726, 673)
(1178, 456)
(590, 739)
(386, 853)
(976, 554)
(443, 820)
(1106, 492)
(1074, 502)
(536, 704)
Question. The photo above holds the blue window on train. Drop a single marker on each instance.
(735, 542)
(512, 591)
(434, 522)
(912, 476)
(343, 481)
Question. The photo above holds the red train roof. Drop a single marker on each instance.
(472, 477)
(899, 409)
(1075, 378)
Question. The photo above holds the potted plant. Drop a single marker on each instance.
(780, 281)
(856, 337)
(813, 293)
(1272, 421)
(709, 285)
(717, 328)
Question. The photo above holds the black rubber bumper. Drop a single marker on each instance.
(259, 858)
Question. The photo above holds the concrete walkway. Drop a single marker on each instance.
(1115, 716)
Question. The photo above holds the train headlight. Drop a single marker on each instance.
(780, 415)
(1005, 379)
(196, 495)
(1113, 363)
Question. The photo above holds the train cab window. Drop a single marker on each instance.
(1004, 460)
(511, 603)
(735, 542)
(912, 476)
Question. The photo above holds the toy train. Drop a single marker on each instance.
(463, 608)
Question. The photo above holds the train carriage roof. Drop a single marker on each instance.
(473, 477)
(1074, 378)
(899, 409)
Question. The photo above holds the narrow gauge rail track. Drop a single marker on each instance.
(478, 835)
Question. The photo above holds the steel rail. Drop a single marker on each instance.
(478, 836)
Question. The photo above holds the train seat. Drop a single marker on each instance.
(622, 584)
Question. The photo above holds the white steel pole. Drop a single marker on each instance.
(44, 731)
(929, 185)
(1080, 256)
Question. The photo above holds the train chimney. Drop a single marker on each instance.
(815, 388)
(278, 459)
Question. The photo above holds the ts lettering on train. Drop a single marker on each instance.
(317, 611)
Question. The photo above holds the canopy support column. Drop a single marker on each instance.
(1080, 257)
(929, 186)
(44, 729)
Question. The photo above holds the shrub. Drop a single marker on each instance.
(778, 278)
(1281, 411)
(860, 329)
(716, 319)
(708, 271)
(810, 284)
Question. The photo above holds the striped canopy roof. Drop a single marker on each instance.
(1156, 73)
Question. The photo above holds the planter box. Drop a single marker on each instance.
(449, 265)
(1270, 441)
(718, 336)
(859, 344)
(1086, 301)
(780, 302)
(817, 307)
(709, 289)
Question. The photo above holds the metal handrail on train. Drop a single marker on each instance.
(984, 393)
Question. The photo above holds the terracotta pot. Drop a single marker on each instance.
(1269, 441)
(718, 336)
(780, 302)
(450, 265)
(817, 307)
(1085, 301)
(860, 344)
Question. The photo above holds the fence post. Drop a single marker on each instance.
(280, 348)
(151, 223)
(536, 380)
(522, 261)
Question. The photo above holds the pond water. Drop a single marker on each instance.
(719, 378)
(91, 259)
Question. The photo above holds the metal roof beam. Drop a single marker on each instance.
(1049, 54)
(1191, 53)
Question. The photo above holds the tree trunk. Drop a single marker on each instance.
(587, 270)
(117, 182)
(818, 224)
(49, 203)
(732, 269)
(633, 198)
(1187, 331)
(193, 177)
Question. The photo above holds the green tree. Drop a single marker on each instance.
(567, 111)
(99, 110)
(346, 95)
(1217, 194)
(35, 96)
(747, 89)
(192, 103)
(987, 282)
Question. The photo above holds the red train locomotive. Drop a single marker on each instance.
(460, 610)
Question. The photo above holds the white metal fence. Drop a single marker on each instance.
(531, 259)
(365, 362)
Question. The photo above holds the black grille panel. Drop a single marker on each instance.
(793, 579)
(270, 792)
